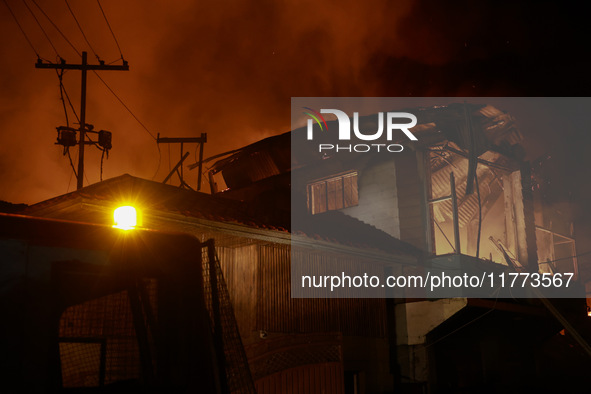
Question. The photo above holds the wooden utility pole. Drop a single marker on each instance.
(84, 67)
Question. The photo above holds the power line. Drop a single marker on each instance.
(60, 76)
(102, 158)
(116, 60)
(70, 103)
(63, 92)
(55, 26)
(73, 172)
(22, 30)
(137, 120)
(124, 105)
(109, 25)
(71, 165)
(41, 27)
(84, 67)
(82, 31)
(159, 161)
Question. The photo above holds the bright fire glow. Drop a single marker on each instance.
(125, 218)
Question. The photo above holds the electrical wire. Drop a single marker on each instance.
(73, 172)
(114, 61)
(110, 29)
(59, 76)
(102, 158)
(63, 90)
(137, 120)
(55, 26)
(159, 161)
(22, 30)
(71, 164)
(124, 105)
(93, 142)
(67, 149)
(82, 31)
(70, 103)
(42, 29)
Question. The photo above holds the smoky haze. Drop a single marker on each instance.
(230, 68)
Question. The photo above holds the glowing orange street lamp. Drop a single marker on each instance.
(125, 218)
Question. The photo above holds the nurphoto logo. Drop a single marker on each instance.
(392, 121)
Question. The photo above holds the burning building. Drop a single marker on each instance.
(462, 197)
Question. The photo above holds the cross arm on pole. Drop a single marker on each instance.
(97, 67)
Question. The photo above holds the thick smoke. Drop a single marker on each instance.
(230, 68)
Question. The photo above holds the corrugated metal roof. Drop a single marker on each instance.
(151, 195)
(333, 227)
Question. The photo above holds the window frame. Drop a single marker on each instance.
(332, 191)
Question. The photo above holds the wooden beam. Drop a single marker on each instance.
(169, 140)
(454, 208)
(176, 168)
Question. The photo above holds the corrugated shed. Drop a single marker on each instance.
(278, 312)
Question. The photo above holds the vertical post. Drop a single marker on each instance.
(83, 67)
(103, 363)
(575, 262)
(141, 332)
(203, 139)
(213, 187)
(218, 329)
(183, 140)
(454, 208)
(182, 179)
(552, 245)
(82, 129)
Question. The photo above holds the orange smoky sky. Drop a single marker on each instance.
(229, 69)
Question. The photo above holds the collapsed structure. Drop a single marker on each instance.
(394, 212)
